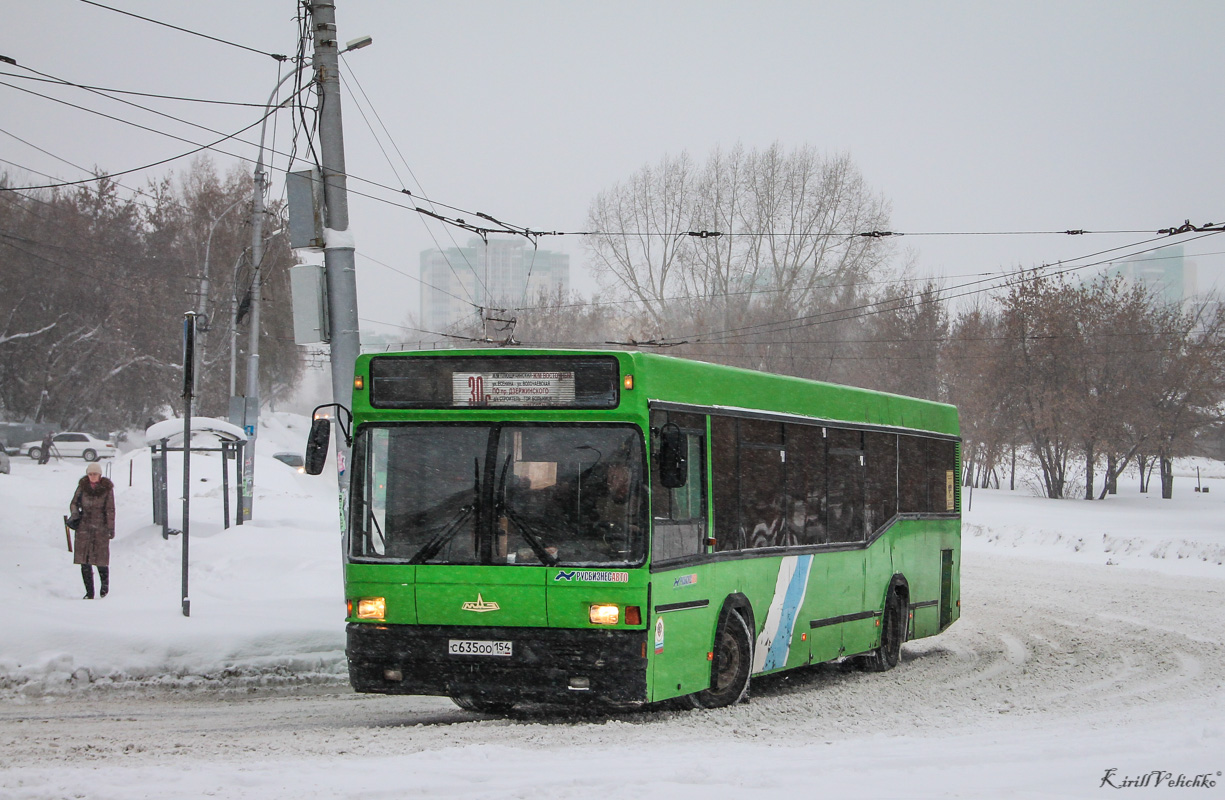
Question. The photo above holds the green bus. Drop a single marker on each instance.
(560, 525)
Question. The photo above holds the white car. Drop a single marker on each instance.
(69, 444)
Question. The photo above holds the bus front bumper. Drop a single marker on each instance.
(546, 665)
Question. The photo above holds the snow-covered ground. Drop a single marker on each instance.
(1091, 639)
(266, 598)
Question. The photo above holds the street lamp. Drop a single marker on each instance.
(244, 411)
(257, 246)
(249, 408)
(202, 303)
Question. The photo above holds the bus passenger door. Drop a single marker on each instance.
(682, 616)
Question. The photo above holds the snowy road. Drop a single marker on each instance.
(1056, 672)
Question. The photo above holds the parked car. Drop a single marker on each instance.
(72, 443)
(291, 459)
(4, 462)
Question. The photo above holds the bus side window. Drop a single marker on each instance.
(679, 514)
(881, 456)
(806, 484)
(846, 486)
(725, 475)
(912, 475)
(763, 491)
(941, 460)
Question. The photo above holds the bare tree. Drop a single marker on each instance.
(974, 366)
(560, 319)
(1041, 344)
(1191, 384)
(751, 241)
(904, 339)
(94, 289)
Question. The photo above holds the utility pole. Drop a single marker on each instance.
(244, 410)
(189, 390)
(338, 245)
(251, 400)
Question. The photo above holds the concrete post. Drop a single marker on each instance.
(338, 240)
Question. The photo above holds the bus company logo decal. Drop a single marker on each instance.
(480, 605)
(684, 580)
(774, 641)
(592, 576)
(1158, 777)
(659, 635)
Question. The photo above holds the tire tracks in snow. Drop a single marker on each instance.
(1040, 644)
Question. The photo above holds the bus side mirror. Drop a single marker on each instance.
(317, 445)
(673, 467)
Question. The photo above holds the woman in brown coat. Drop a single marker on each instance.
(95, 497)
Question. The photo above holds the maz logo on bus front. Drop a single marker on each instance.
(479, 605)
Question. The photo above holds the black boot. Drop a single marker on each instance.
(87, 574)
(105, 574)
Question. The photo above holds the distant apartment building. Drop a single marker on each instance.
(505, 273)
(1166, 273)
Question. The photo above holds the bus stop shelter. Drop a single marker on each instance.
(231, 440)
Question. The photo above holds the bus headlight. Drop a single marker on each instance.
(604, 614)
(372, 608)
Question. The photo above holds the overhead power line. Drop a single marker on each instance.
(154, 111)
(157, 163)
(141, 192)
(753, 292)
(413, 175)
(196, 149)
(418, 330)
(415, 278)
(33, 171)
(62, 82)
(871, 309)
(503, 227)
(277, 56)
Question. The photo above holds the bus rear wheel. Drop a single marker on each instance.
(730, 667)
(480, 705)
(892, 632)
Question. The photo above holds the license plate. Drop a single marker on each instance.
(469, 647)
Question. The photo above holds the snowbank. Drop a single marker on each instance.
(267, 600)
(1182, 535)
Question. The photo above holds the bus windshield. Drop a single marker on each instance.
(513, 494)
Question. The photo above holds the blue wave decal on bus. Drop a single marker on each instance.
(774, 642)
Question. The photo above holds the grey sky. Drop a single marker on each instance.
(966, 116)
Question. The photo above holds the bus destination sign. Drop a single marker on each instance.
(514, 389)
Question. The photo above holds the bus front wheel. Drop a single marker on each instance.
(731, 665)
(892, 632)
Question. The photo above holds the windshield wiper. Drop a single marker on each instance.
(448, 531)
(431, 548)
(532, 540)
(528, 535)
(370, 517)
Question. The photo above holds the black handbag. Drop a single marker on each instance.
(75, 520)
